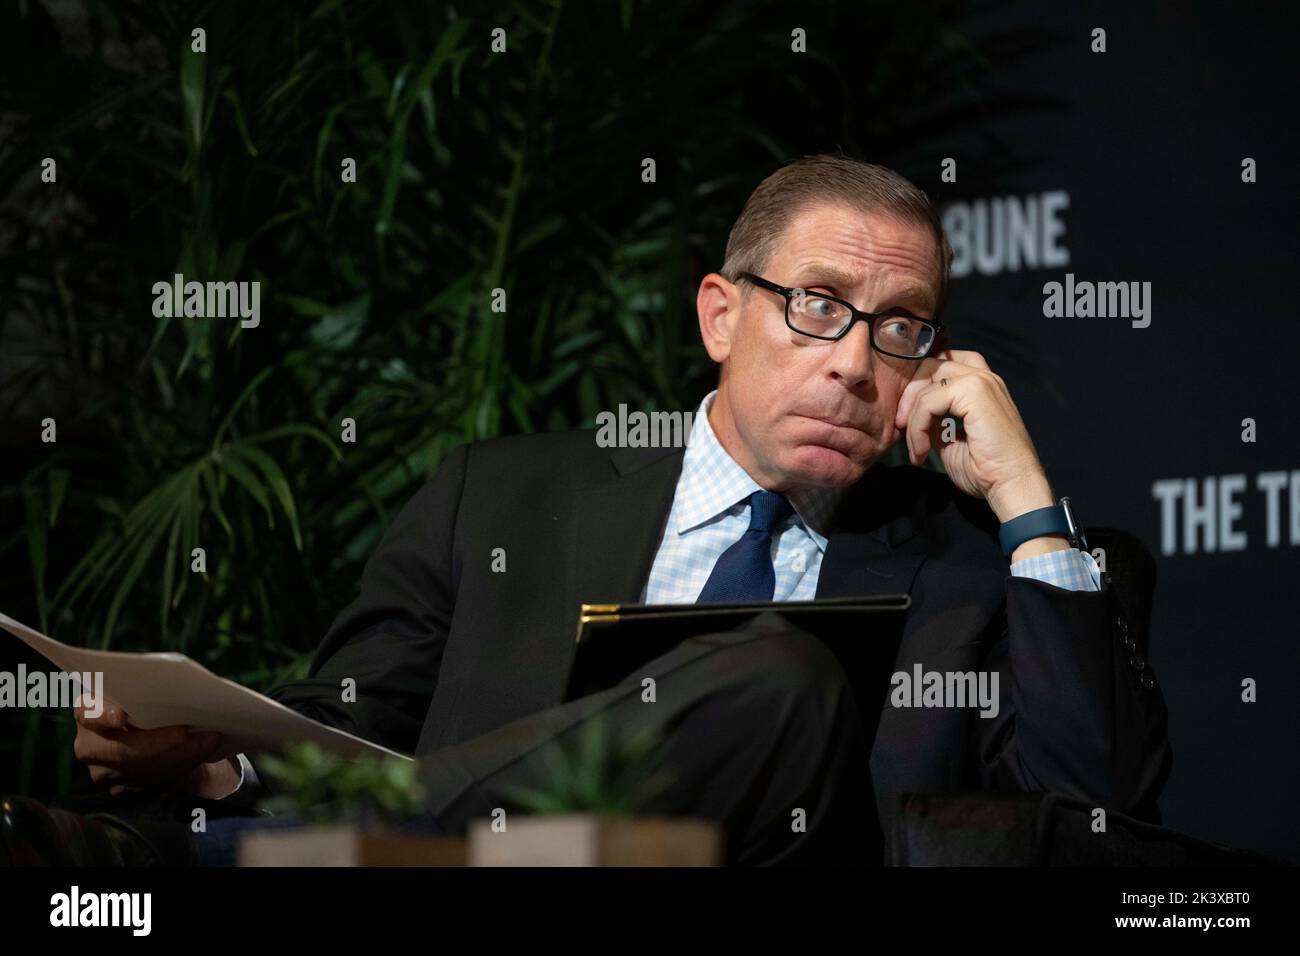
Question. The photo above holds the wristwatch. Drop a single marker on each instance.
(1055, 519)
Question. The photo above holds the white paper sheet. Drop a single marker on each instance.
(162, 689)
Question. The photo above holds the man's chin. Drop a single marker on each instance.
(824, 467)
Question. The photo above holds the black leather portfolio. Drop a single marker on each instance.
(615, 640)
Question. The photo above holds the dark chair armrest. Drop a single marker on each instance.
(1040, 829)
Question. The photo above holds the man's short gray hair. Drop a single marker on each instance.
(829, 179)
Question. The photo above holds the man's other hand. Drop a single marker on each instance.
(121, 757)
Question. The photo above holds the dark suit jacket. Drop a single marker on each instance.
(443, 648)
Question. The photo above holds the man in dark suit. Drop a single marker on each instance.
(824, 322)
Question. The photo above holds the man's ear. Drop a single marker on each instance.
(718, 306)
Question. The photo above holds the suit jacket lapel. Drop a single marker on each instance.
(619, 522)
(875, 545)
(614, 524)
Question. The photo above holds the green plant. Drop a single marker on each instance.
(322, 787)
(599, 771)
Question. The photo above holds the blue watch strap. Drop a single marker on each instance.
(1032, 524)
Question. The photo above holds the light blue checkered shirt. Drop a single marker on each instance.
(711, 511)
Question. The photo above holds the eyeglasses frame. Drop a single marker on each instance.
(855, 315)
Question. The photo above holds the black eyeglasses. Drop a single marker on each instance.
(825, 317)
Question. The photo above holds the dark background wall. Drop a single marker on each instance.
(1148, 144)
(523, 171)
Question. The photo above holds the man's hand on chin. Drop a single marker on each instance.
(991, 456)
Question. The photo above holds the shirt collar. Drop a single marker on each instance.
(712, 483)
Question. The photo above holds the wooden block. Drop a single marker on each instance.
(349, 846)
(595, 840)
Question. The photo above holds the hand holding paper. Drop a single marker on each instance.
(169, 695)
(120, 756)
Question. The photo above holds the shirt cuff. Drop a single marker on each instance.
(249, 788)
(1069, 568)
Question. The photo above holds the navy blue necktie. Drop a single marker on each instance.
(744, 571)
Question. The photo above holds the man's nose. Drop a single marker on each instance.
(853, 360)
